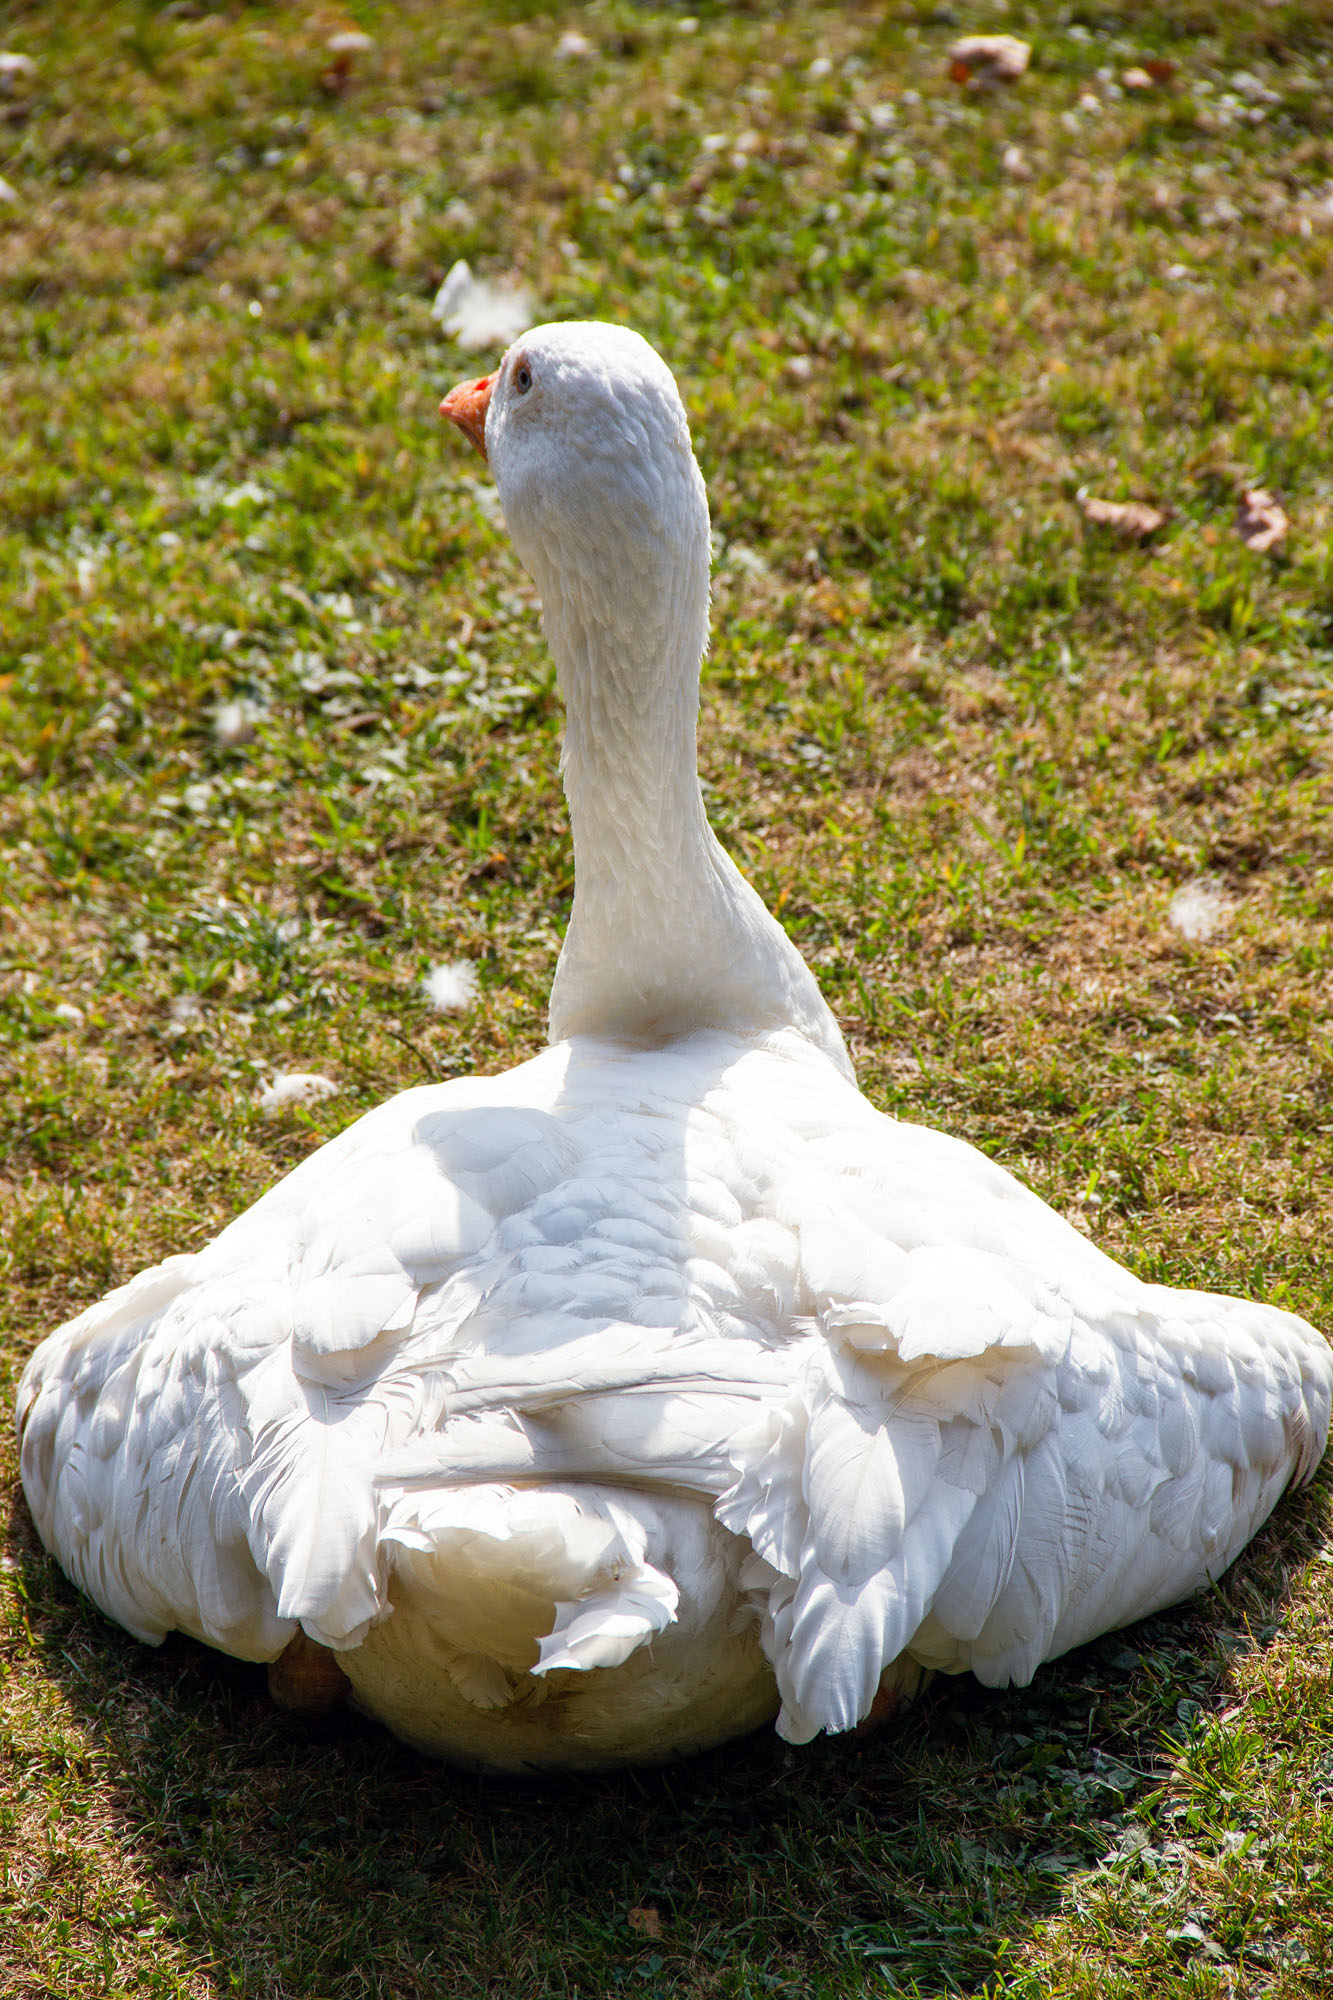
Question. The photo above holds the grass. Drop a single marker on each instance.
(970, 745)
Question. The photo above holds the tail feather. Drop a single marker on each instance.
(531, 1578)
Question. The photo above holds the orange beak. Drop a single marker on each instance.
(467, 405)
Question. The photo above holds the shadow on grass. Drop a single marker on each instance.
(295, 1859)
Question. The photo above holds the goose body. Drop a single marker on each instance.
(606, 1408)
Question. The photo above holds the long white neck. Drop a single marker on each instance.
(666, 936)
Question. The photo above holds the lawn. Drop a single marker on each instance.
(278, 733)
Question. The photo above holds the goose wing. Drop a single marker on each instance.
(1001, 1443)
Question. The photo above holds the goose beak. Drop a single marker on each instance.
(467, 405)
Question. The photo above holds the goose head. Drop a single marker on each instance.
(585, 433)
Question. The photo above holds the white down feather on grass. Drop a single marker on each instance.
(451, 988)
(477, 313)
(295, 1086)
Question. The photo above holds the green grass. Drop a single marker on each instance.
(968, 744)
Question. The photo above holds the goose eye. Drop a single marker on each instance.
(523, 378)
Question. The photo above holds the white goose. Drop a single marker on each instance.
(600, 1410)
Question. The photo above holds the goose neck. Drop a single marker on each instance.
(666, 936)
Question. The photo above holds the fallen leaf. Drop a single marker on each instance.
(646, 1920)
(1134, 519)
(1261, 522)
(1148, 74)
(349, 42)
(988, 59)
(234, 723)
(185, 1014)
(15, 69)
(344, 46)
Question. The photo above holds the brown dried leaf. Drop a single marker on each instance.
(989, 59)
(646, 1920)
(345, 46)
(1261, 521)
(1134, 519)
(1160, 68)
